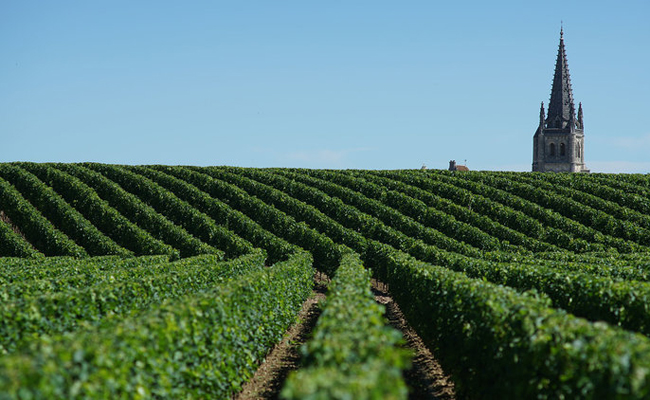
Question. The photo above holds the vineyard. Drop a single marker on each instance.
(176, 281)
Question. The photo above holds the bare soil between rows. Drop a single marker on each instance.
(5, 218)
(267, 381)
(426, 379)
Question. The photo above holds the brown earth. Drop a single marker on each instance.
(5, 218)
(426, 379)
(285, 356)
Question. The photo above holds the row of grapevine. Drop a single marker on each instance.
(12, 244)
(44, 308)
(558, 229)
(322, 248)
(505, 213)
(352, 352)
(99, 212)
(60, 213)
(18, 269)
(623, 268)
(621, 303)
(586, 194)
(343, 223)
(430, 218)
(453, 234)
(286, 201)
(38, 230)
(21, 280)
(569, 208)
(198, 345)
(499, 343)
(178, 210)
(234, 220)
(492, 269)
(140, 213)
(637, 180)
(623, 192)
(622, 198)
(595, 298)
(417, 203)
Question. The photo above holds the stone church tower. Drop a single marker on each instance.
(558, 143)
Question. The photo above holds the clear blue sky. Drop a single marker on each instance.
(336, 84)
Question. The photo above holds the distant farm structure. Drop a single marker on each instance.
(455, 167)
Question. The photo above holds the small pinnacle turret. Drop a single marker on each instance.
(580, 124)
(558, 143)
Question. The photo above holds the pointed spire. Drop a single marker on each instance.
(541, 116)
(561, 110)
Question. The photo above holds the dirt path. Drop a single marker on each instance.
(285, 357)
(425, 379)
(5, 218)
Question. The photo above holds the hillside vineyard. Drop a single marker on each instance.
(175, 281)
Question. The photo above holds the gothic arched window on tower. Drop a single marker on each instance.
(552, 149)
(562, 149)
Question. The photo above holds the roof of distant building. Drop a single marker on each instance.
(455, 167)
